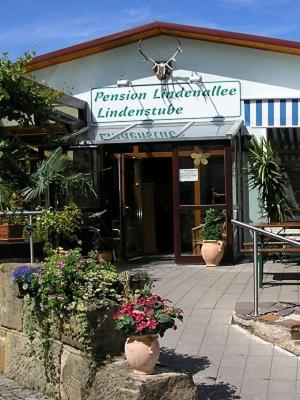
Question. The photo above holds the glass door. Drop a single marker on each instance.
(131, 206)
(202, 180)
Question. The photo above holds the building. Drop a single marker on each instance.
(163, 151)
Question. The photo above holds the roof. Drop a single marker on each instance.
(155, 132)
(163, 28)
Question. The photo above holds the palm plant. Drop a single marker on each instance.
(54, 171)
(268, 176)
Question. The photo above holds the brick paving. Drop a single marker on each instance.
(226, 361)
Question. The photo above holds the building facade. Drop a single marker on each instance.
(163, 151)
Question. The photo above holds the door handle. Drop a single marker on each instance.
(125, 209)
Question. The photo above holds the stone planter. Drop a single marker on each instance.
(212, 252)
(142, 353)
(11, 231)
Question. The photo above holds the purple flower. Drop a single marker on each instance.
(23, 273)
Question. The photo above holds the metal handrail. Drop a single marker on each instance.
(255, 231)
(29, 214)
(266, 233)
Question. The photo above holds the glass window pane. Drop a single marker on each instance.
(202, 179)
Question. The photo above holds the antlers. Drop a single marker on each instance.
(178, 50)
(144, 55)
(162, 69)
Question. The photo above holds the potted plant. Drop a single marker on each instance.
(143, 319)
(54, 227)
(24, 276)
(12, 227)
(212, 249)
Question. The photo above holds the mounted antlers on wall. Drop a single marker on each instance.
(162, 69)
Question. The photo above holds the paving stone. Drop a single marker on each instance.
(234, 361)
(282, 387)
(255, 386)
(284, 373)
(260, 349)
(259, 361)
(254, 372)
(226, 372)
(284, 362)
(9, 390)
(235, 349)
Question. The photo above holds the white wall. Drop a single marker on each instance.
(262, 74)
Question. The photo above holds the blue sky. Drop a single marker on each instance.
(44, 26)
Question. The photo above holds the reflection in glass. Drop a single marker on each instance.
(206, 187)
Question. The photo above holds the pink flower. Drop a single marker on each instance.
(138, 316)
(141, 326)
(152, 324)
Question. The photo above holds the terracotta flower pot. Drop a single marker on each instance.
(142, 353)
(212, 252)
(11, 231)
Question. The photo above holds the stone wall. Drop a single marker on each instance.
(66, 375)
(23, 362)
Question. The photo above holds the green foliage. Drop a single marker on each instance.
(49, 171)
(22, 98)
(62, 291)
(13, 207)
(56, 170)
(56, 225)
(268, 176)
(12, 174)
(211, 230)
(28, 102)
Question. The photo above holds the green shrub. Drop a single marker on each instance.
(211, 230)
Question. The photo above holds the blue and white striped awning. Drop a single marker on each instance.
(272, 113)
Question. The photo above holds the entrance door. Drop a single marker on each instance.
(146, 202)
(131, 203)
(202, 180)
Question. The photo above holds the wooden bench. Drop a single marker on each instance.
(270, 247)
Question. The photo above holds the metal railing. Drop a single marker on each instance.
(260, 231)
(29, 214)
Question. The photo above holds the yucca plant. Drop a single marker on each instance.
(268, 176)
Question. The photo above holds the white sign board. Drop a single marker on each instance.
(171, 101)
(188, 175)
